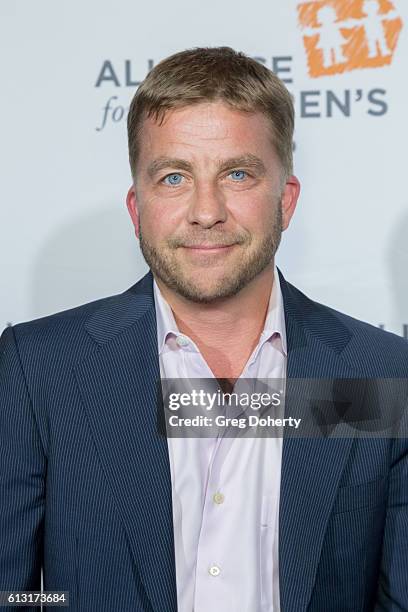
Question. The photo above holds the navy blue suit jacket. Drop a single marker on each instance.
(85, 479)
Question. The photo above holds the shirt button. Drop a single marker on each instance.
(218, 498)
(181, 340)
(214, 570)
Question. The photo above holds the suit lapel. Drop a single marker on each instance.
(311, 467)
(118, 384)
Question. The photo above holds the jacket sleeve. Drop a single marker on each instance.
(392, 595)
(22, 477)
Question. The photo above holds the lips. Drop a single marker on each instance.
(209, 247)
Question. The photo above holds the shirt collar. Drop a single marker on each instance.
(275, 316)
(166, 324)
(274, 321)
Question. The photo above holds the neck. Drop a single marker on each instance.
(225, 324)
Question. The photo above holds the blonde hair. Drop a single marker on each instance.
(210, 74)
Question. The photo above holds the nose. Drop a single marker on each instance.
(207, 206)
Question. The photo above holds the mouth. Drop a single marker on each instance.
(209, 248)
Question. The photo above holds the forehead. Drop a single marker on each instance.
(207, 126)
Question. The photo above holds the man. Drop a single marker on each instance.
(125, 519)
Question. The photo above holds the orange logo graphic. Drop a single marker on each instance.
(343, 35)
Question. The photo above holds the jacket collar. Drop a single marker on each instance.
(304, 318)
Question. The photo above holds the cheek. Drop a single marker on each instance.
(158, 219)
(253, 211)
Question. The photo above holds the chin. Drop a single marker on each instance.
(205, 293)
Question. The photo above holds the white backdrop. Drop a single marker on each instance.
(65, 235)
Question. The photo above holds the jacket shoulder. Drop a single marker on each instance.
(65, 320)
(370, 348)
(72, 330)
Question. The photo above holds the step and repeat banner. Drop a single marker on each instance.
(69, 71)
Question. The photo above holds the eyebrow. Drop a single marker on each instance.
(248, 160)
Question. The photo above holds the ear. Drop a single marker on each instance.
(132, 206)
(289, 200)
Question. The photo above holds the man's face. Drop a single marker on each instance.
(208, 202)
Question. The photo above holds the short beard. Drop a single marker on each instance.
(171, 273)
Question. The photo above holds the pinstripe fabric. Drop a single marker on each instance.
(85, 481)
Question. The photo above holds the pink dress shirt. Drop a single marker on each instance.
(225, 491)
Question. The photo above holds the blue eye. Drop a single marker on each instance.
(238, 175)
(173, 179)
